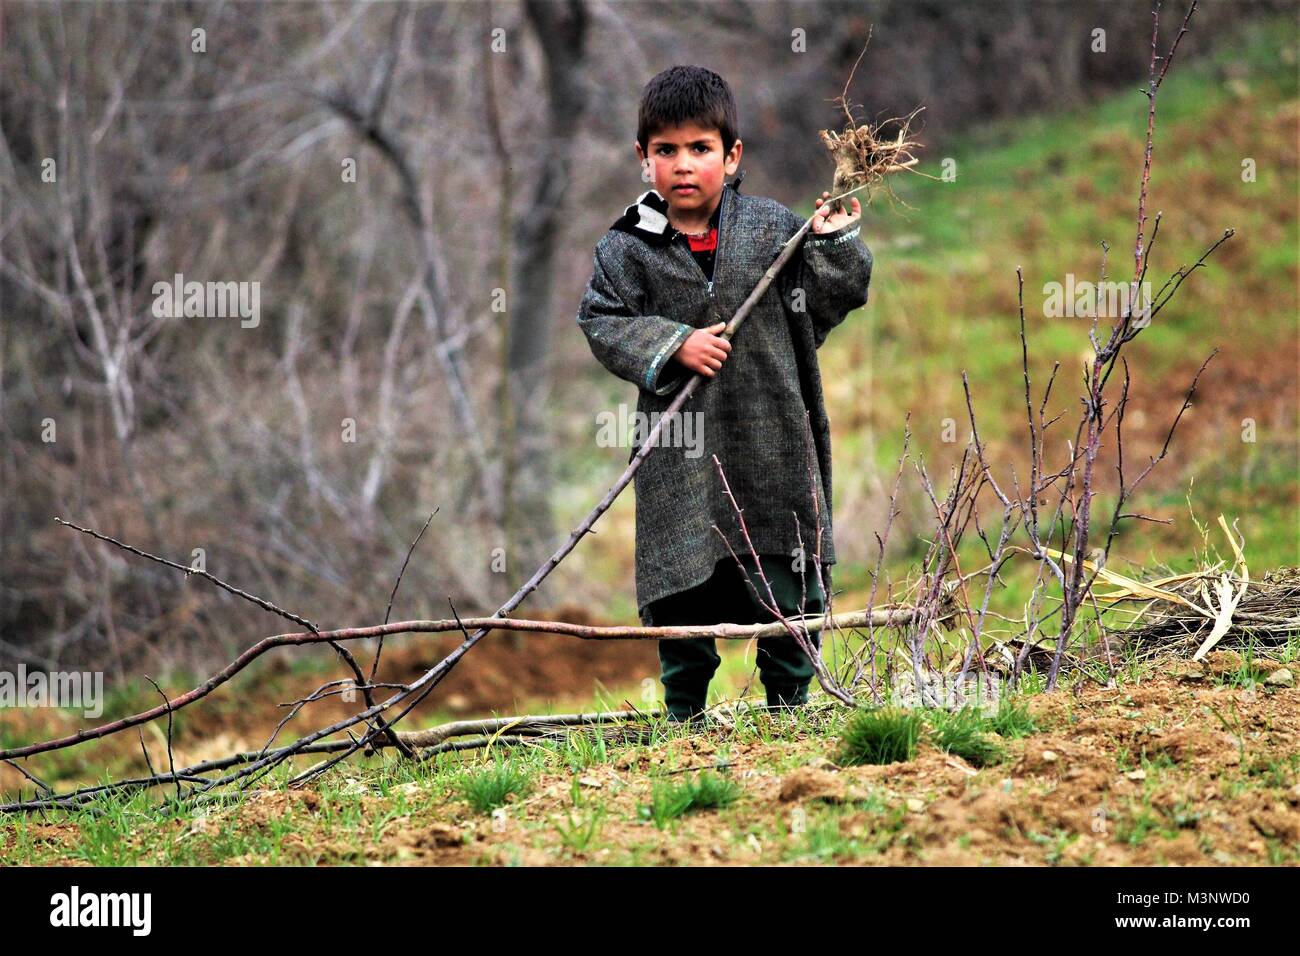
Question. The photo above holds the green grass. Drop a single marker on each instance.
(880, 735)
(490, 787)
(1057, 842)
(1012, 719)
(585, 750)
(964, 733)
(708, 791)
(581, 831)
(826, 837)
(890, 735)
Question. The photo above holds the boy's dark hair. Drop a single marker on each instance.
(685, 94)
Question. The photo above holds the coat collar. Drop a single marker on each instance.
(647, 218)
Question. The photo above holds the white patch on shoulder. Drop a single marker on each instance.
(651, 220)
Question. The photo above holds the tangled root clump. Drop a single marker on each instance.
(865, 155)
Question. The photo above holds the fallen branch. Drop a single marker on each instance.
(881, 617)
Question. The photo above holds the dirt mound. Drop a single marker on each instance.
(511, 666)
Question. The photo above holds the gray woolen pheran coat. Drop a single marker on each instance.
(645, 297)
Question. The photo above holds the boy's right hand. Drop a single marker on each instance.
(704, 351)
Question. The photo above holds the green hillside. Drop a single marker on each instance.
(1042, 194)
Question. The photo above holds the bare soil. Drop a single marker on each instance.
(1145, 774)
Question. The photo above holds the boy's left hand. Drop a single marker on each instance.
(826, 221)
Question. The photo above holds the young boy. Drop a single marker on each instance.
(668, 276)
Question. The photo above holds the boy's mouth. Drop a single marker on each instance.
(685, 189)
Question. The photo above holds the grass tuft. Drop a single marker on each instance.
(1012, 720)
(708, 791)
(492, 787)
(961, 732)
(880, 735)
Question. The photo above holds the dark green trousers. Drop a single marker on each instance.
(688, 666)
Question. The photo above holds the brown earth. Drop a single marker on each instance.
(1141, 775)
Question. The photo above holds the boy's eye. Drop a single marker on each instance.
(663, 150)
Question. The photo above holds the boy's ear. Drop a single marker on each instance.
(732, 162)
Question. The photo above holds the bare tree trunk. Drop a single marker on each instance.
(561, 30)
(505, 457)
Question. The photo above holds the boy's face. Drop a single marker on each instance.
(690, 156)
